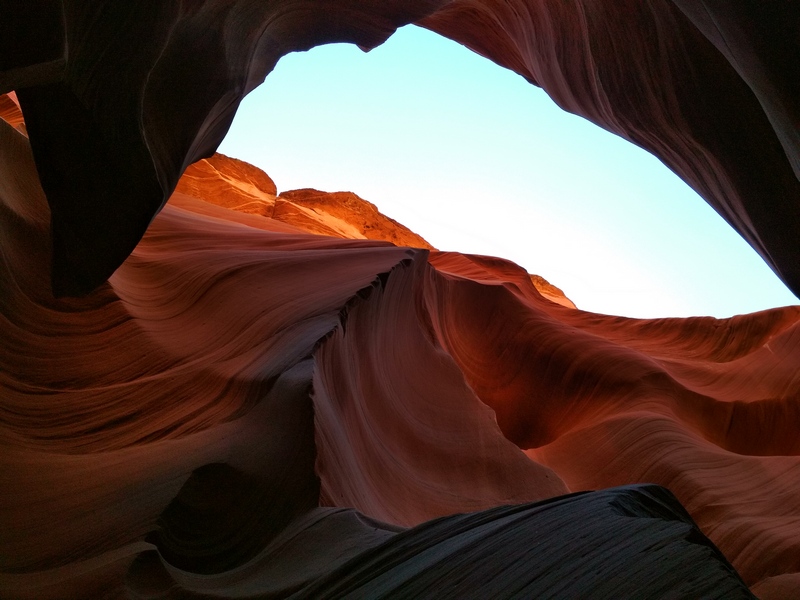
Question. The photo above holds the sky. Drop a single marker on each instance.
(475, 159)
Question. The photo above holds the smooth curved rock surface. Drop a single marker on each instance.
(524, 551)
(709, 87)
(244, 409)
(248, 410)
(140, 91)
(120, 101)
(10, 111)
(342, 214)
(658, 554)
(231, 183)
(237, 185)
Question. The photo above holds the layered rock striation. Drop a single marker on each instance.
(248, 410)
(240, 186)
(237, 185)
(120, 100)
(210, 399)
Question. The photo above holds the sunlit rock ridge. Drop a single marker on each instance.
(120, 100)
(240, 186)
(208, 389)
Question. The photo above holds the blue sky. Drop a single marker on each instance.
(475, 159)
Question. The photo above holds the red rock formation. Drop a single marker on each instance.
(231, 183)
(10, 111)
(205, 422)
(237, 185)
(247, 410)
(342, 214)
(678, 79)
(551, 292)
(242, 187)
(120, 102)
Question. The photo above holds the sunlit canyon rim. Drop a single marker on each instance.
(212, 390)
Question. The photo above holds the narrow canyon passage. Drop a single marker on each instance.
(209, 389)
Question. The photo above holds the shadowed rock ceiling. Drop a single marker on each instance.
(201, 396)
(120, 99)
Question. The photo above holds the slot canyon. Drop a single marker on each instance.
(209, 389)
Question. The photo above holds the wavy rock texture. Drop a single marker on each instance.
(342, 214)
(551, 292)
(124, 97)
(246, 410)
(237, 185)
(709, 87)
(11, 113)
(231, 183)
(120, 100)
(240, 186)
